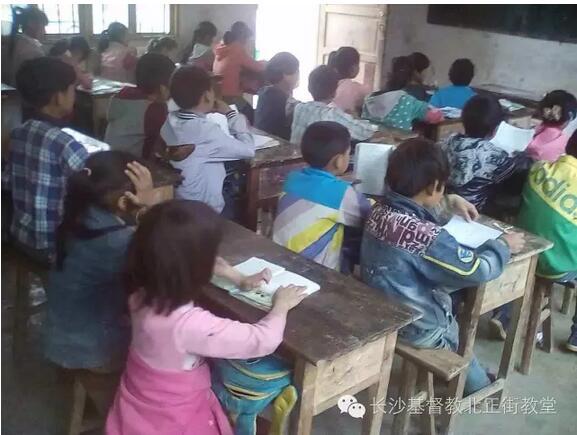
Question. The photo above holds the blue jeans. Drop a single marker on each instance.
(448, 338)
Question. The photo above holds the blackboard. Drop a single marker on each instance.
(553, 22)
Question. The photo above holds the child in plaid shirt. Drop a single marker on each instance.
(41, 155)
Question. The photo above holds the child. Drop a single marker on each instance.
(165, 46)
(31, 22)
(316, 205)
(461, 74)
(136, 114)
(275, 107)
(61, 50)
(394, 107)
(118, 59)
(551, 213)
(323, 83)
(416, 88)
(350, 93)
(557, 109)
(232, 59)
(476, 165)
(41, 155)
(408, 255)
(86, 327)
(200, 52)
(197, 146)
(83, 59)
(165, 388)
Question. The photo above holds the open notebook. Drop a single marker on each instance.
(370, 167)
(260, 141)
(92, 145)
(512, 139)
(262, 297)
(470, 234)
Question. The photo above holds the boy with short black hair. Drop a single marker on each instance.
(197, 146)
(456, 95)
(477, 166)
(136, 114)
(41, 155)
(323, 84)
(409, 256)
(316, 205)
(275, 107)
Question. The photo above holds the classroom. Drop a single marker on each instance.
(288, 218)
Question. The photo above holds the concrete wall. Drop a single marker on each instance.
(524, 63)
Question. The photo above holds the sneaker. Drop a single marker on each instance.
(572, 343)
(539, 337)
(497, 329)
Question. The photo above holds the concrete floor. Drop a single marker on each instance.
(35, 402)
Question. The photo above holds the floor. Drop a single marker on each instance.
(35, 401)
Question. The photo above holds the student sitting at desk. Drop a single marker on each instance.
(118, 59)
(199, 147)
(556, 110)
(476, 164)
(316, 205)
(408, 255)
(62, 50)
(350, 93)
(41, 155)
(275, 107)
(165, 46)
(199, 52)
(416, 88)
(136, 114)
(394, 107)
(166, 387)
(323, 84)
(461, 74)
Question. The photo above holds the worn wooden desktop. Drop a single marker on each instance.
(268, 170)
(164, 176)
(515, 285)
(527, 98)
(341, 339)
(519, 118)
(92, 105)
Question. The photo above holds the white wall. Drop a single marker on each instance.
(524, 63)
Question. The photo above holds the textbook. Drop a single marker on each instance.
(262, 297)
(370, 167)
(470, 234)
(512, 139)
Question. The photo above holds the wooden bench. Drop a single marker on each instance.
(421, 366)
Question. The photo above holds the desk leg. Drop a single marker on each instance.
(305, 381)
(377, 392)
(252, 188)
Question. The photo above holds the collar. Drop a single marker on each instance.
(57, 122)
(184, 114)
(407, 205)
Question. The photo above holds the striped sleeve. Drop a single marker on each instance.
(355, 208)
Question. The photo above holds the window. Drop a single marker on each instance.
(152, 18)
(62, 18)
(104, 14)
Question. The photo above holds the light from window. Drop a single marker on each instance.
(62, 19)
(104, 14)
(152, 18)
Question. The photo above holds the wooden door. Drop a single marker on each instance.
(359, 26)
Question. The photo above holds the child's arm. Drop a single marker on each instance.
(73, 157)
(354, 209)
(223, 269)
(203, 333)
(249, 63)
(223, 147)
(154, 118)
(359, 128)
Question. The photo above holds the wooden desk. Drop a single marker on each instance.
(521, 96)
(341, 339)
(164, 176)
(92, 105)
(514, 285)
(520, 118)
(268, 170)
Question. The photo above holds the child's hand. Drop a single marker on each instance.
(221, 107)
(140, 176)
(515, 241)
(460, 206)
(286, 298)
(256, 280)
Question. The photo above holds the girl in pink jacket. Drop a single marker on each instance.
(165, 388)
(118, 59)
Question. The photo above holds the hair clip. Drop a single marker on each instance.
(552, 113)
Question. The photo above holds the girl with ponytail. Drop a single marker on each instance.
(557, 109)
(118, 59)
(87, 326)
(165, 46)
(199, 52)
(28, 28)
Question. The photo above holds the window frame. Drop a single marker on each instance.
(86, 26)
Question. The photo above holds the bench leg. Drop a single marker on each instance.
(532, 326)
(568, 295)
(408, 381)
(548, 325)
(77, 411)
(428, 419)
(21, 313)
(454, 393)
(305, 382)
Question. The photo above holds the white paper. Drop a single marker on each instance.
(262, 142)
(470, 234)
(256, 265)
(92, 145)
(372, 160)
(511, 138)
(451, 112)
